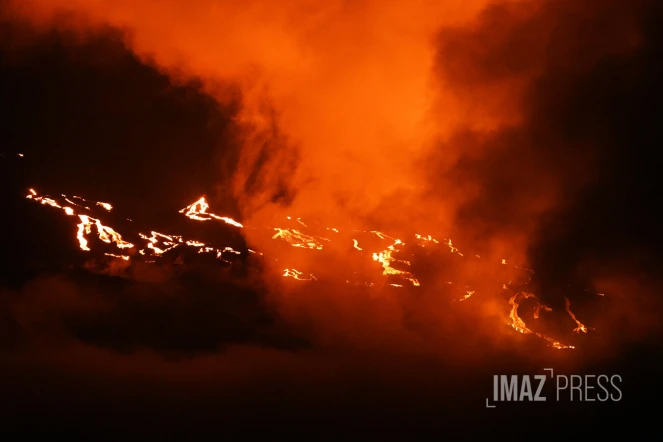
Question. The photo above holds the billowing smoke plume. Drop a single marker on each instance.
(481, 121)
(337, 97)
(387, 111)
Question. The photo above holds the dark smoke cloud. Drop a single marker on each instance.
(86, 113)
(569, 175)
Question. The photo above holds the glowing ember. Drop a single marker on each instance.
(106, 234)
(126, 258)
(426, 239)
(68, 210)
(392, 266)
(298, 239)
(169, 241)
(580, 326)
(44, 200)
(296, 274)
(519, 325)
(386, 259)
(537, 310)
(231, 250)
(85, 227)
(198, 212)
(380, 235)
(451, 247)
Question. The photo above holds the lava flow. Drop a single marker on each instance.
(198, 211)
(580, 326)
(106, 234)
(391, 256)
(519, 325)
(386, 259)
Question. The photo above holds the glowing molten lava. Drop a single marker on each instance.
(106, 234)
(386, 259)
(296, 274)
(519, 325)
(158, 244)
(580, 326)
(198, 211)
(298, 239)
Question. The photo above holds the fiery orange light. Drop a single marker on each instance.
(423, 240)
(296, 274)
(85, 227)
(124, 257)
(519, 325)
(386, 259)
(299, 239)
(198, 211)
(580, 326)
(396, 62)
(159, 244)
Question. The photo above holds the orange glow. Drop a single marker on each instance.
(106, 234)
(155, 238)
(580, 326)
(386, 259)
(298, 239)
(198, 211)
(423, 240)
(85, 227)
(296, 274)
(124, 257)
(519, 325)
(393, 266)
(354, 118)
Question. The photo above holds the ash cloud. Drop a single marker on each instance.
(334, 95)
(504, 123)
(341, 104)
(554, 165)
(483, 120)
